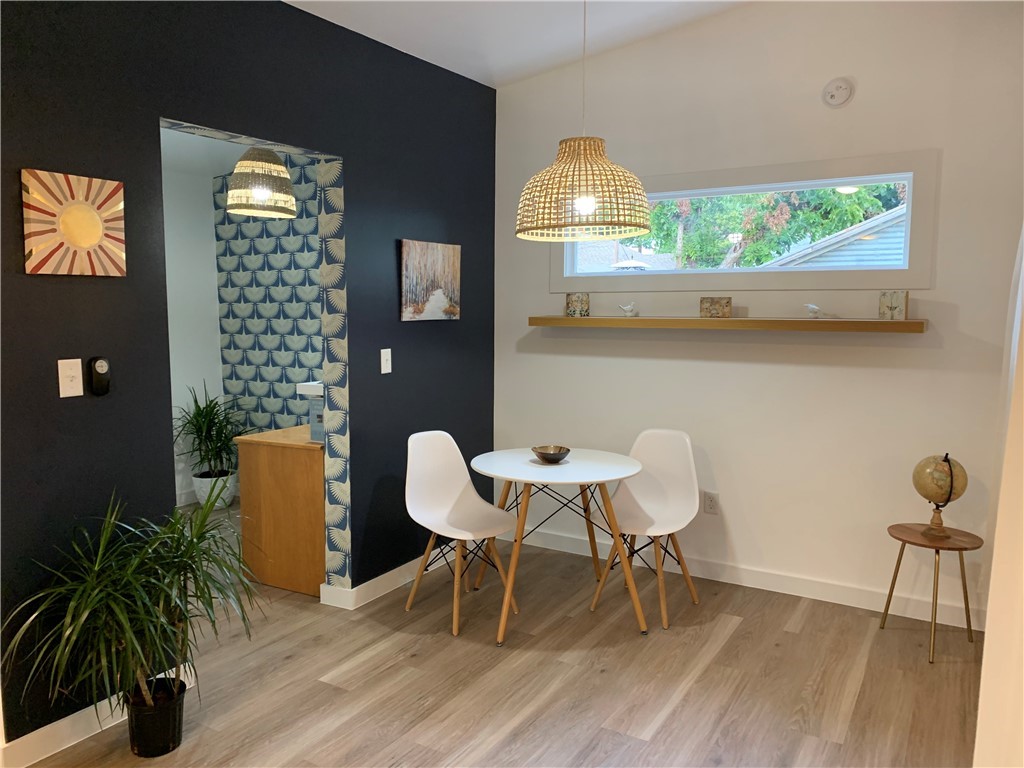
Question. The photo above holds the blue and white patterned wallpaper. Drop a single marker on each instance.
(331, 197)
(268, 281)
(326, 209)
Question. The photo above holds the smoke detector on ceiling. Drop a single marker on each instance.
(838, 92)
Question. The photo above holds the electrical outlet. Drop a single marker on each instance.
(711, 504)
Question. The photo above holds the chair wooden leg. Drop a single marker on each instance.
(685, 570)
(501, 570)
(604, 577)
(480, 575)
(632, 546)
(502, 501)
(585, 501)
(659, 562)
(460, 548)
(419, 573)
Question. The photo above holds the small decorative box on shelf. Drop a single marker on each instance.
(737, 323)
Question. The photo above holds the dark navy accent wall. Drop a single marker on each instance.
(83, 88)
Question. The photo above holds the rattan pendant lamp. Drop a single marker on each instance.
(583, 195)
(260, 186)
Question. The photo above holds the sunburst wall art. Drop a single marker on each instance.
(74, 225)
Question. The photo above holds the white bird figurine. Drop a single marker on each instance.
(630, 310)
(813, 310)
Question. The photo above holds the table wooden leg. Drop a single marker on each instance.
(585, 501)
(419, 573)
(612, 553)
(513, 563)
(501, 505)
(967, 605)
(659, 563)
(935, 606)
(501, 571)
(613, 525)
(892, 586)
(459, 556)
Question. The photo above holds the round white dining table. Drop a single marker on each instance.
(583, 468)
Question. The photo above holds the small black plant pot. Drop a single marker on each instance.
(156, 730)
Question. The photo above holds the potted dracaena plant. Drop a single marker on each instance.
(207, 428)
(118, 620)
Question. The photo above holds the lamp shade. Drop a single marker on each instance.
(582, 196)
(260, 186)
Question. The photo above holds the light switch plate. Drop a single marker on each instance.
(69, 377)
(385, 360)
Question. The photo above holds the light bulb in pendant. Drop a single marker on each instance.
(260, 193)
(585, 205)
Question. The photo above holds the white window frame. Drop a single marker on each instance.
(921, 228)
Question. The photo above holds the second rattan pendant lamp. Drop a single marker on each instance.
(260, 186)
(583, 195)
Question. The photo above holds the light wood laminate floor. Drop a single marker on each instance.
(748, 677)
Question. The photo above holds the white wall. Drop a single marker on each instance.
(999, 740)
(189, 165)
(809, 439)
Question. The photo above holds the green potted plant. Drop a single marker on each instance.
(119, 618)
(208, 429)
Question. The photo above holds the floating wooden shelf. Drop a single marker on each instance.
(737, 323)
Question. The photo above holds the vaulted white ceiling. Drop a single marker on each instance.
(497, 43)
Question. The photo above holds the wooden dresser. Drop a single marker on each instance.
(281, 483)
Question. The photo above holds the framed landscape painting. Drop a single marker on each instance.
(431, 283)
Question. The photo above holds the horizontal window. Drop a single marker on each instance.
(802, 229)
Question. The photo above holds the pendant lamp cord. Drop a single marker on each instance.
(584, 67)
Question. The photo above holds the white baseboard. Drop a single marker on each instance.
(186, 498)
(951, 613)
(66, 732)
(350, 599)
(54, 737)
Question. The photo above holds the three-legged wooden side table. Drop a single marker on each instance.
(958, 541)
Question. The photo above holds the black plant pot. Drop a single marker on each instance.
(156, 730)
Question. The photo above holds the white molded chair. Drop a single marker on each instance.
(657, 502)
(440, 496)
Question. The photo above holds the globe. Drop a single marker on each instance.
(938, 481)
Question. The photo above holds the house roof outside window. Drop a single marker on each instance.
(873, 244)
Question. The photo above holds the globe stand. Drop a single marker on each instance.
(936, 529)
(940, 480)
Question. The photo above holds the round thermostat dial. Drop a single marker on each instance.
(102, 366)
(838, 92)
